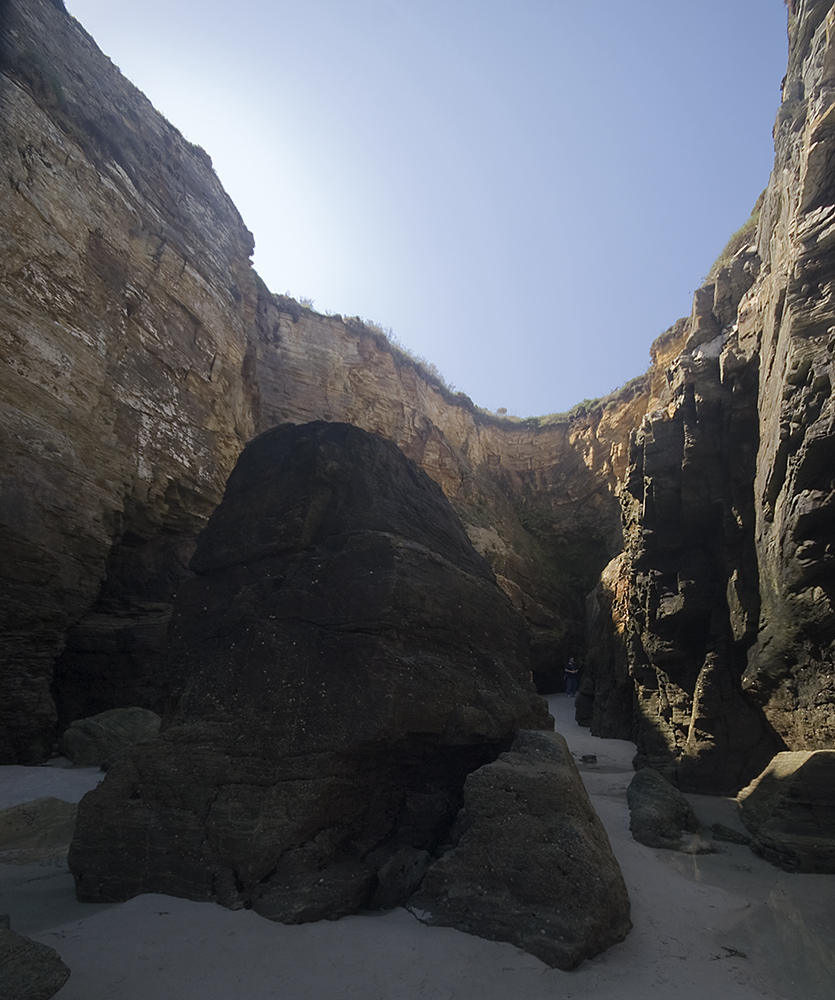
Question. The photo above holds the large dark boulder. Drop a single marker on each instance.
(345, 658)
(533, 865)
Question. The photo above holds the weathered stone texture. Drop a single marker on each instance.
(99, 739)
(36, 831)
(606, 698)
(791, 321)
(347, 658)
(729, 500)
(790, 809)
(29, 970)
(532, 864)
(140, 352)
(127, 298)
(682, 602)
(659, 814)
(539, 502)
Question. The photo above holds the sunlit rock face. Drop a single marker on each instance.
(726, 621)
(127, 300)
(140, 352)
(790, 322)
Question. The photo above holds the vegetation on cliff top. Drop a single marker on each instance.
(386, 340)
(745, 234)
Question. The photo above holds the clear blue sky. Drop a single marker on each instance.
(526, 191)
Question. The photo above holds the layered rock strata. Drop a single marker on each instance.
(127, 304)
(682, 601)
(727, 624)
(790, 809)
(539, 499)
(140, 352)
(347, 658)
(789, 324)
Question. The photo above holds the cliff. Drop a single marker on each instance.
(720, 608)
(140, 352)
(127, 305)
(539, 500)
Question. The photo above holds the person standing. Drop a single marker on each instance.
(572, 676)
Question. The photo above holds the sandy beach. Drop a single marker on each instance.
(725, 925)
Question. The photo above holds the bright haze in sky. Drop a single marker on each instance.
(527, 192)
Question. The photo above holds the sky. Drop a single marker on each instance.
(525, 192)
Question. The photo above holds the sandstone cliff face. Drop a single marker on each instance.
(790, 322)
(721, 603)
(127, 301)
(140, 352)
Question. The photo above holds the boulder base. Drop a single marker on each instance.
(533, 865)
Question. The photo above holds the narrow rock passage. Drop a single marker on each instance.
(728, 921)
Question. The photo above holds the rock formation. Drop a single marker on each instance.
(659, 814)
(532, 864)
(538, 499)
(789, 324)
(36, 831)
(127, 303)
(141, 352)
(790, 809)
(346, 659)
(29, 970)
(725, 618)
(95, 741)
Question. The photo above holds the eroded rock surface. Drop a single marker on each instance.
(532, 864)
(727, 625)
(139, 352)
(36, 831)
(659, 815)
(790, 809)
(347, 658)
(29, 970)
(97, 740)
(127, 298)
(790, 322)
